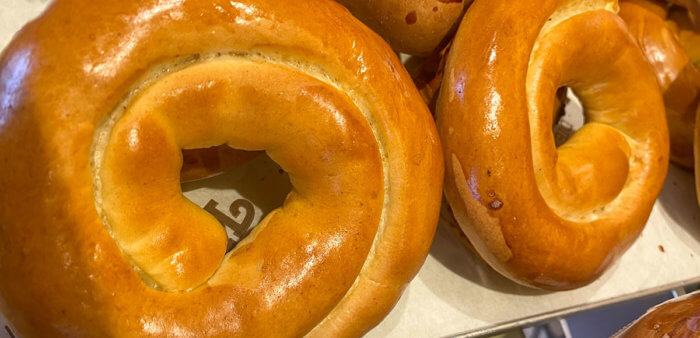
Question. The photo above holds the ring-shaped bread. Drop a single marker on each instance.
(97, 99)
(545, 216)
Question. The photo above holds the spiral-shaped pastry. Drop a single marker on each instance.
(97, 99)
(547, 216)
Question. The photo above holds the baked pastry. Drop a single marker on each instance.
(97, 99)
(413, 27)
(546, 216)
(678, 77)
(675, 318)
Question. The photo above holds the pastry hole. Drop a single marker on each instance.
(568, 116)
(248, 186)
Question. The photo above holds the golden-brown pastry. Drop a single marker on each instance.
(97, 99)
(675, 318)
(546, 216)
(678, 77)
(416, 27)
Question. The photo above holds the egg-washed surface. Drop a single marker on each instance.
(416, 27)
(331, 105)
(675, 318)
(663, 37)
(550, 217)
(443, 287)
(319, 137)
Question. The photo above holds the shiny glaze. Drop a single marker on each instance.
(416, 27)
(335, 272)
(544, 216)
(678, 77)
(320, 138)
(675, 318)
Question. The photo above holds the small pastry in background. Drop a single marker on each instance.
(673, 64)
(675, 318)
(415, 27)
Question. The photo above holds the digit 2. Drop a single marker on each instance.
(239, 229)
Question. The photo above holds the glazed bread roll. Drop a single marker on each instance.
(546, 216)
(415, 27)
(675, 318)
(97, 99)
(678, 77)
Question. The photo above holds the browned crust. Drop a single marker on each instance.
(513, 220)
(61, 273)
(678, 77)
(674, 318)
(416, 27)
